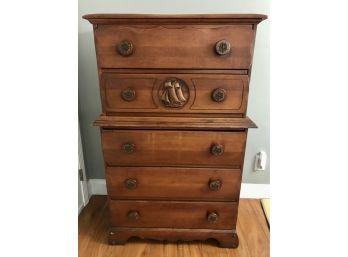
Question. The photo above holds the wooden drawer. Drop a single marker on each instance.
(173, 183)
(174, 46)
(173, 214)
(203, 93)
(173, 148)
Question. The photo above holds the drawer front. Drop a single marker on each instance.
(173, 46)
(173, 148)
(173, 183)
(162, 214)
(178, 93)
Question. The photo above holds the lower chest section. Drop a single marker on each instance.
(169, 179)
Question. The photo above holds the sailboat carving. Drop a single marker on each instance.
(172, 95)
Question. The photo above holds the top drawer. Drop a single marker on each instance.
(175, 46)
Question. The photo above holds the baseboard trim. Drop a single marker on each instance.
(81, 208)
(97, 187)
(256, 191)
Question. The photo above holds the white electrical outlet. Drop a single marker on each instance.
(260, 161)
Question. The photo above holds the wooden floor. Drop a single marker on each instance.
(252, 230)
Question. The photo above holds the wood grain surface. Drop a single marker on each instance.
(173, 214)
(173, 148)
(252, 230)
(175, 46)
(113, 18)
(173, 183)
(177, 123)
(147, 88)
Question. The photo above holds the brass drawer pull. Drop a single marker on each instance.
(223, 47)
(128, 94)
(133, 215)
(217, 149)
(215, 185)
(125, 48)
(131, 183)
(128, 147)
(219, 95)
(212, 217)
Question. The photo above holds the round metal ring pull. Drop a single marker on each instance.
(125, 48)
(212, 217)
(215, 185)
(223, 47)
(217, 149)
(133, 215)
(219, 95)
(128, 94)
(131, 183)
(128, 148)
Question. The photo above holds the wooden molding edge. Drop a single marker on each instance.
(110, 18)
(225, 238)
(184, 123)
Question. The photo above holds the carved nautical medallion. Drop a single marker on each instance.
(174, 93)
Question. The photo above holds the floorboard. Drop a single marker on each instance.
(252, 230)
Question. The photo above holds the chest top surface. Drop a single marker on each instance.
(111, 18)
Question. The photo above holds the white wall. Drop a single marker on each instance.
(89, 100)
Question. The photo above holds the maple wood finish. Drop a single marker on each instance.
(95, 237)
(173, 148)
(163, 183)
(174, 91)
(146, 88)
(178, 123)
(169, 214)
(174, 46)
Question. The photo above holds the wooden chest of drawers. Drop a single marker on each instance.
(174, 92)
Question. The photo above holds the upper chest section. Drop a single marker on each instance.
(185, 42)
